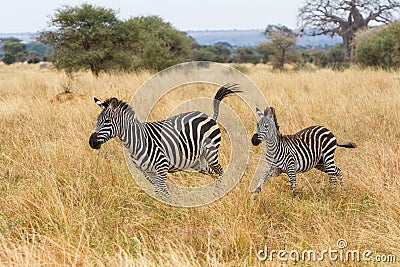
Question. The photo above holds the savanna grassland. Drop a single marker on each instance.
(64, 204)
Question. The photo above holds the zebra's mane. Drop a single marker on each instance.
(275, 121)
(123, 106)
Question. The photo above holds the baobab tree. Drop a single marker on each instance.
(345, 17)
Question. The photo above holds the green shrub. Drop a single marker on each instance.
(379, 47)
(8, 58)
(336, 57)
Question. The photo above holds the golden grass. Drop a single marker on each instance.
(64, 204)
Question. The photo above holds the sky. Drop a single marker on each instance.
(33, 15)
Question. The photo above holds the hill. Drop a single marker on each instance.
(25, 37)
(236, 38)
(254, 37)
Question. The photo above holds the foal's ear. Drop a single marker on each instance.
(114, 103)
(272, 110)
(269, 110)
(99, 103)
(259, 113)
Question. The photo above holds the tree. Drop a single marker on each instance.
(158, 45)
(282, 41)
(14, 51)
(345, 17)
(33, 57)
(336, 57)
(219, 52)
(246, 54)
(222, 51)
(379, 47)
(315, 56)
(202, 53)
(88, 38)
(38, 48)
(265, 51)
(8, 58)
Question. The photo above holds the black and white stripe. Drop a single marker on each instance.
(313, 147)
(188, 140)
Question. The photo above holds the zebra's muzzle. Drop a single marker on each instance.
(93, 141)
(254, 140)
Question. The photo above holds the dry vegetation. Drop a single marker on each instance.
(64, 204)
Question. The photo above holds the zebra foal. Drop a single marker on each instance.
(313, 147)
(188, 140)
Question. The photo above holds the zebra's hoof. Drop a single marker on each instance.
(256, 192)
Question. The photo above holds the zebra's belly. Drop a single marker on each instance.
(306, 165)
(295, 162)
(144, 165)
(184, 164)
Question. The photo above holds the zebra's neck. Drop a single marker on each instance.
(273, 142)
(131, 132)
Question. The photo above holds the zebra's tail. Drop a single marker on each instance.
(223, 92)
(347, 145)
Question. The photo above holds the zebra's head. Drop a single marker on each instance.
(107, 123)
(267, 126)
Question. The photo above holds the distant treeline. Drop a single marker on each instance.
(12, 50)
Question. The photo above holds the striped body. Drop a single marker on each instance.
(313, 147)
(187, 141)
(177, 143)
(303, 150)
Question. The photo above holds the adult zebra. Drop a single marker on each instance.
(188, 140)
(313, 147)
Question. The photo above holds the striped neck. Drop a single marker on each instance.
(273, 140)
(131, 131)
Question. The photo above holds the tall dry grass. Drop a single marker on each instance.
(64, 204)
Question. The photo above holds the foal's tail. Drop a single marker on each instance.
(223, 92)
(347, 145)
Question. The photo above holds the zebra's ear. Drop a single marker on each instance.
(114, 103)
(271, 110)
(99, 103)
(259, 112)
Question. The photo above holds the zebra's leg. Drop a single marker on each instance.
(330, 168)
(267, 174)
(339, 174)
(332, 178)
(217, 169)
(333, 172)
(205, 162)
(292, 179)
(213, 166)
(202, 167)
(149, 178)
(161, 184)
